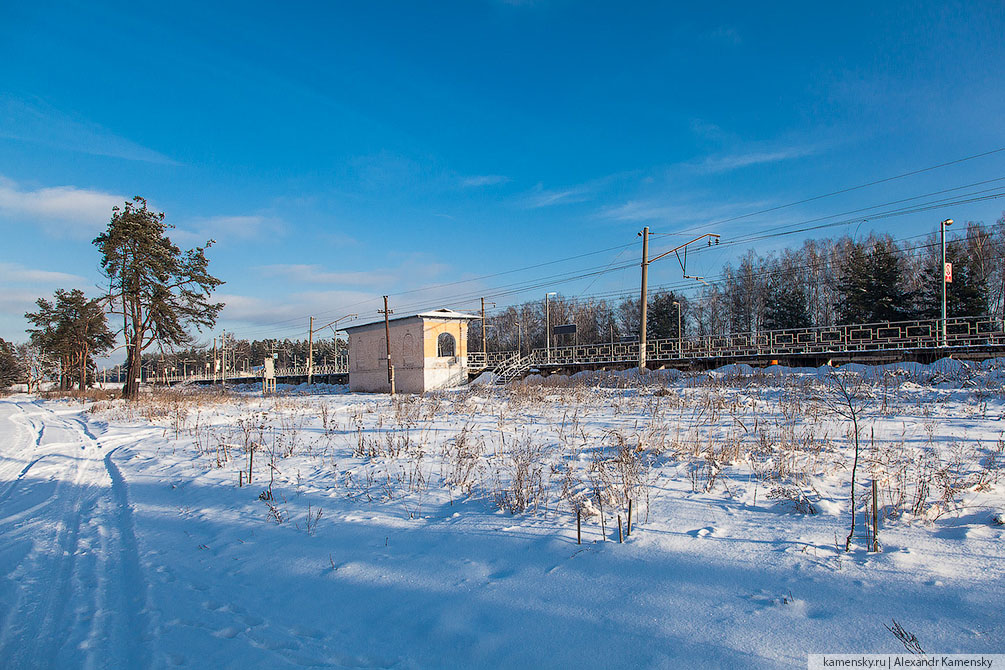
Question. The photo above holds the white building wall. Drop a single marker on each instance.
(368, 357)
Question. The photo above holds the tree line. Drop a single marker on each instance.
(824, 282)
(157, 294)
(236, 354)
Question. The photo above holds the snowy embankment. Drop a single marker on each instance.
(440, 531)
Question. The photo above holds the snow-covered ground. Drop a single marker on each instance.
(440, 531)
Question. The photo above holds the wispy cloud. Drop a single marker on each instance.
(724, 35)
(268, 311)
(14, 303)
(708, 130)
(483, 180)
(61, 211)
(676, 213)
(227, 228)
(315, 274)
(36, 122)
(413, 267)
(542, 197)
(15, 273)
(736, 161)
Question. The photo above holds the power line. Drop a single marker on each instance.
(846, 190)
(595, 271)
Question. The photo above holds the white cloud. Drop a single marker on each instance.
(540, 197)
(677, 213)
(315, 274)
(412, 267)
(39, 123)
(227, 228)
(285, 314)
(21, 287)
(484, 180)
(61, 211)
(15, 273)
(730, 162)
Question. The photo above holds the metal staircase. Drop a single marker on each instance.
(516, 368)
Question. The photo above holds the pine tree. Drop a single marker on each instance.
(71, 329)
(662, 316)
(159, 290)
(10, 369)
(785, 306)
(966, 295)
(870, 288)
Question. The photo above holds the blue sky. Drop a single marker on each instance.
(338, 152)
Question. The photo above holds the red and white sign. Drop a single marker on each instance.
(949, 273)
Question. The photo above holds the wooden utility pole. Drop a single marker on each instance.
(215, 361)
(223, 358)
(387, 338)
(310, 352)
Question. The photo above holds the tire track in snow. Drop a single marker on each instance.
(133, 588)
(36, 428)
(69, 590)
(36, 633)
(13, 485)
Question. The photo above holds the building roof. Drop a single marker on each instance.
(442, 313)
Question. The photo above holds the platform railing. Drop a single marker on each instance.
(480, 360)
(885, 336)
(339, 367)
(961, 332)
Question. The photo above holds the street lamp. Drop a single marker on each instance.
(680, 333)
(547, 321)
(942, 230)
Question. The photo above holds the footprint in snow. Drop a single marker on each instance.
(702, 532)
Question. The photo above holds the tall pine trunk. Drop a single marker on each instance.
(134, 365)
(83, 369)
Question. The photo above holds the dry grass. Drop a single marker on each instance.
(559, 445)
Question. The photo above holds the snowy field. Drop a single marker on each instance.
(326, 529)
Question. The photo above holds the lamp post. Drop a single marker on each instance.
(680, 334)
(547, 321)
(942, 230)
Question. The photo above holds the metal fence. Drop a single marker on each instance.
(480, 360)
(339, 367)
(969, 332)
(960, 332)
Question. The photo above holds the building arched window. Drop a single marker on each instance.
(408, 351)
(445, 345)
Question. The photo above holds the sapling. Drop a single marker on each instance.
(846, 401)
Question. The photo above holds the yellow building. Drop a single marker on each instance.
(428, 351)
